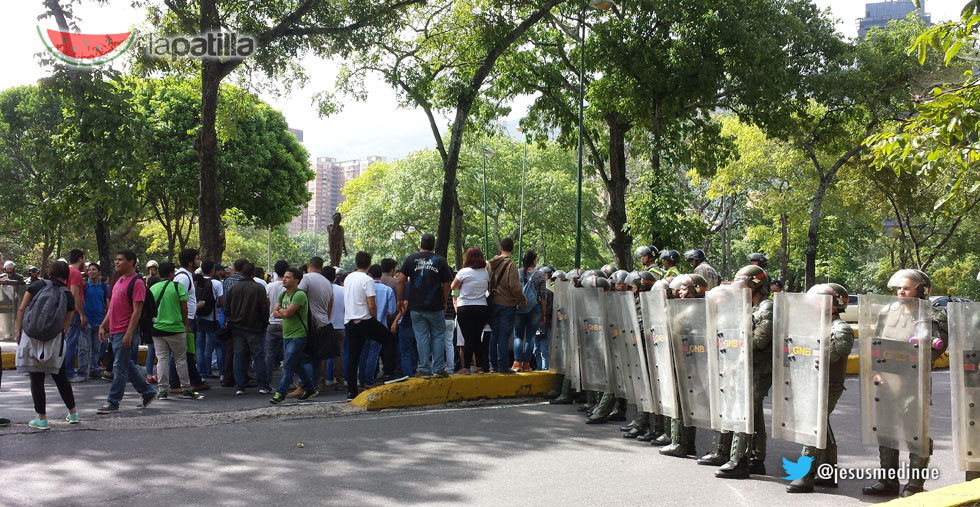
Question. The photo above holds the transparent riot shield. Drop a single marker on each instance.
(622, 317)
(595, 357)
(559, 345)
(800, 367)
(687, 329)
(964, 368)
(616, 336)
(895, 336)
(576, 332)
(729, 310)
(658, 350)
(11, 294)
(636, 356)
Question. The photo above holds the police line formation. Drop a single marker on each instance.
(689, 352)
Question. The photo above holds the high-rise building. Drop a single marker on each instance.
(878, 14)
(325, 190)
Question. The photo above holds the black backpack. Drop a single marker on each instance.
(149, 314)
(205, 294)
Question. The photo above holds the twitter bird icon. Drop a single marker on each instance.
(797, 470)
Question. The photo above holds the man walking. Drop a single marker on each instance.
(273, 334)
(79, 322)
(245, 315)
(293, 308)
(319, 292)
(360, 322)
(508, 294)
(121, 326)
(212, 296)
(429, 275)
(170, 330)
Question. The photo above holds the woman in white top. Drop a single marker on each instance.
(470, 299)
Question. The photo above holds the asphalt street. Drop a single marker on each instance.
(235, 450)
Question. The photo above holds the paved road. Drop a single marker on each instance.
(219, 451)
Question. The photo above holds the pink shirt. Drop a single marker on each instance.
(75, 279)
(120, 310)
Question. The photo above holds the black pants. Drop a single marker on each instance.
(357, 335)
(64, 389)
(471, 320)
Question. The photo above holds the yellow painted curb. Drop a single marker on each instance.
(416, 392)
(854, 366)
(8, 358)
(965, 493)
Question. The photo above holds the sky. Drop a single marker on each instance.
(373, 127)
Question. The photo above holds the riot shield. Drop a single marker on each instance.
(687, 329)
(895, 334)
(729, 310)
(622, 316)
(575, 336)
(616, 336)
(964, 368)
(800, 367)
(660, 362)
(11, 294)
(559, 345)
(594, 353)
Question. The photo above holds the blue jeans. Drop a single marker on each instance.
(542, 354)
(212, 346)
(368, 368)
(150, 356)
(430, 336)
(125, 369)
(71, 344)
(200, 345)
(256, 344)
(88, 351)
(524, 330)
(292, 364)
(502, 329)
(409, 350)
(273, 348)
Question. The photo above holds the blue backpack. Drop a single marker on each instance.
(530, 293)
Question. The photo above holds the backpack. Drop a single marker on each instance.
(149, 314)
(530, 293)
(205, 294)
(44, 319)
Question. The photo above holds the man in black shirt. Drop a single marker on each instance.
(429, 275)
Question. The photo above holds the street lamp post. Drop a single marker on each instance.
(520, 227)
(604, 5)
(487, 152)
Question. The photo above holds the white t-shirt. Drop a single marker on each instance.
(261, 281)
(475, 282)
(338, 307)
(185, 278)
(272, 291)
(358, 286)
(319, 291)
(218, 290)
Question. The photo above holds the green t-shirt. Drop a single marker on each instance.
(295, 326)
(168, 296)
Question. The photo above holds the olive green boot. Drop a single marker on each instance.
(556, 387)
(888, 458)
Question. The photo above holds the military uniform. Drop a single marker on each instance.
(705, 270)
(841, 342)
(745, 446)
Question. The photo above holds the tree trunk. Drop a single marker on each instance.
(618, 182)
(812, 234)
(457, 229)
(102, 241)
(783, 246)
(211, 232)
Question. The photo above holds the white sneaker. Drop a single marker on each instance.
(239, 392)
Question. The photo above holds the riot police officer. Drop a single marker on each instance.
(748, 452)
(841, 342)
(910, 283)
(700, 264)
(670, 259)
(759, 259)
(648, 258)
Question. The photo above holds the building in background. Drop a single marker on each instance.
(325, 195)
(878, 14)
(296, 132)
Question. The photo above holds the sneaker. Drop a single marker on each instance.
(38, 424)
(148, 398)
(351, 395)
(204, 386)
(308, 394)
(78, 378)
(440, 374)
(151, 379)
(467, 371)
(162, 395)
(72, 418)
(107, 375)
(108, 408)
(239, 392)
(176, 390)
(397, 380)
(4, 422)
(277, 398)
(423, 374)
(296, 392)
(187, 394)
(265, 390)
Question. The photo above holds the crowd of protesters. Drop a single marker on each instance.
(318, 326)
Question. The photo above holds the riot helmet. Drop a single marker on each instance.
(619, 276)
(695, 284)
(608, 270)
(670, 256)
(759, 260)
(559, 275)
(696, 255)
(598, 282)
(920, 282)
(754, 277)
(837, 293)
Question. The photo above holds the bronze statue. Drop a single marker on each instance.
(337, 243)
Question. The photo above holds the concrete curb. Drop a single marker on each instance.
(417, 391)
(966, 493)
